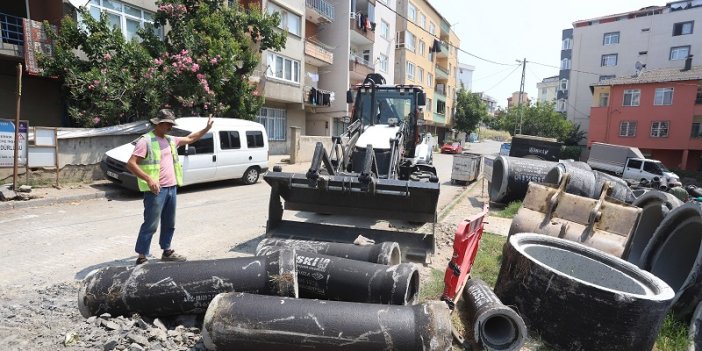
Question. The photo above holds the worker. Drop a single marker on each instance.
(155, 163)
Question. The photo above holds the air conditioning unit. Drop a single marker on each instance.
(399, 45)
(352, 15)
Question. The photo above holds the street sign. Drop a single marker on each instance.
(7, 143)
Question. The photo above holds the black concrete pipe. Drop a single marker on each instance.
(335, 278)
(240, 321)
(655, 206)
(619, 189)
(674, 254)
(511, 177)
(579, 298)
(162, 289)
(383, 253)
(694, 333)
(581, 182)
(494, 325)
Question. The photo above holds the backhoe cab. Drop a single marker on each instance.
(379, 167)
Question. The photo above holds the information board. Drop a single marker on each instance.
(7, 143)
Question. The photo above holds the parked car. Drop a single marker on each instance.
(452, 148)
(232, 149)
(629, 163)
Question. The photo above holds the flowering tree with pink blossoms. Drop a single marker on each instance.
(201, 67)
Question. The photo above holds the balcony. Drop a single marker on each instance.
(316, 54)
(359, 68)
(319, 11)
(316, 98)
(444, 51)
(441, 73)
(445, 30)
(360, 33)
(438, 119)
(12, 43)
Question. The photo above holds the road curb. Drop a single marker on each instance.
(13, 205)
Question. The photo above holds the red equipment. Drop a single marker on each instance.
(465, 248)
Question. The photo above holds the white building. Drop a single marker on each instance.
(547, 89)
(465, 76)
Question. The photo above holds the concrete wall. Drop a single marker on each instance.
(382, 45)
(307, 145)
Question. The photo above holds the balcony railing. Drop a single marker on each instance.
(323, 7)
(441, 73)
(360, 66)
(11, 28)
(318, 52)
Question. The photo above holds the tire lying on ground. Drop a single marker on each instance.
(579, 298)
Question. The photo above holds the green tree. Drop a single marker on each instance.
(100, 72)
(542, 120)
(470, 110)
(204, 63)
(202, 67)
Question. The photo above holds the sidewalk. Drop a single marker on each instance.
(47, 196)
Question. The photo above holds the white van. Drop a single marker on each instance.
(232, 149)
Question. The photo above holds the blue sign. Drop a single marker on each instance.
(7, 143)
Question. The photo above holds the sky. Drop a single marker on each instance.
(511, 30)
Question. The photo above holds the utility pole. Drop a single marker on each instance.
(518, 127)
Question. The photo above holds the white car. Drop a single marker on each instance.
(232, 149)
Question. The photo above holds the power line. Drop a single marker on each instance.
(503, 79)
(438, 38)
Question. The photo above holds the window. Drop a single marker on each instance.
(410, 70)
(383, 63)
(679, 52)
(275, 121)
(562, 103)
(384, 29)
(432, 27)
(634, 164)
(627, 128)
(422, 47)
(410, 41)
(440, 107)
(430, 80)
(366, 55)
(544, 91)
(563, 86)
(229, 140)
(567, 44)
(609, 60)
(429, 106)
(631, 97)
(698, 98)
(610, 38)
(422, 20)
(283, 68)
(411, 12)
(288, 21)
(607, 77)
(254, 139)
(420, 74)
(204, 146)
(565, 63)
(604, 99)
(659, 129)
(683, 28)
(126, 18)
(696, 130)
(652, 167)
(664, 96)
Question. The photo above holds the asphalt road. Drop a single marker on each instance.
(46, 245)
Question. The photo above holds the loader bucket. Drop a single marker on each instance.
(347, 195)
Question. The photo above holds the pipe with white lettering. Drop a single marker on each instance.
(335, 278)
(163, 289)
(384, 253)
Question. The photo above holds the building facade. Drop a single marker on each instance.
(427, 55)
(514, 100)
(548, 89)
(620, 45)
(658, 111)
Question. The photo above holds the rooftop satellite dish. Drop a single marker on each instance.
(78, 3)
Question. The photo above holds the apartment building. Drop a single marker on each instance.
(465, 76)
(427, 55)
(490, 102)
(41, 97)
(514, 100)
(620, 45)
(548, 89)
(658, 111)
